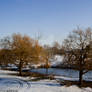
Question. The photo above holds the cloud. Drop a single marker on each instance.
(47, 40)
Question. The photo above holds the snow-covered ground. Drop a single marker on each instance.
(12, 83)
(56, 60)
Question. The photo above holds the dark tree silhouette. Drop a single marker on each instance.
(77, 50)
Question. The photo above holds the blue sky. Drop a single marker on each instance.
(52, 19)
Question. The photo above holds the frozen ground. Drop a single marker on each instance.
(20, 84)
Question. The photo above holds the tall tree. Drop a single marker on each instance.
(47, 55)
(77, 47)
(22, 49)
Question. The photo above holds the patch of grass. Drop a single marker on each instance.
(84, 83)
(38, 76)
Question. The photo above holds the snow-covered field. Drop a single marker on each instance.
(12, 83)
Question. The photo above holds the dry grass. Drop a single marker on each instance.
(84, 83)
(37, 76)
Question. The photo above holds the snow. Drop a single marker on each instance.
(8, 74)
(75, 89)
(56, 60)
(12, 83)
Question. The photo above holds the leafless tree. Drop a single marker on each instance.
(77, 50)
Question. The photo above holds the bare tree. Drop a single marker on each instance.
(56, 48)
(77, 49)
(24, 50)
(47, 55)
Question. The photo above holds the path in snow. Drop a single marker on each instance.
(14, 84)
(23, 86)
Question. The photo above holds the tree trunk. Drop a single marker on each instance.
(47, 71)
(20, 68)
(47, 66)
(80, 77)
